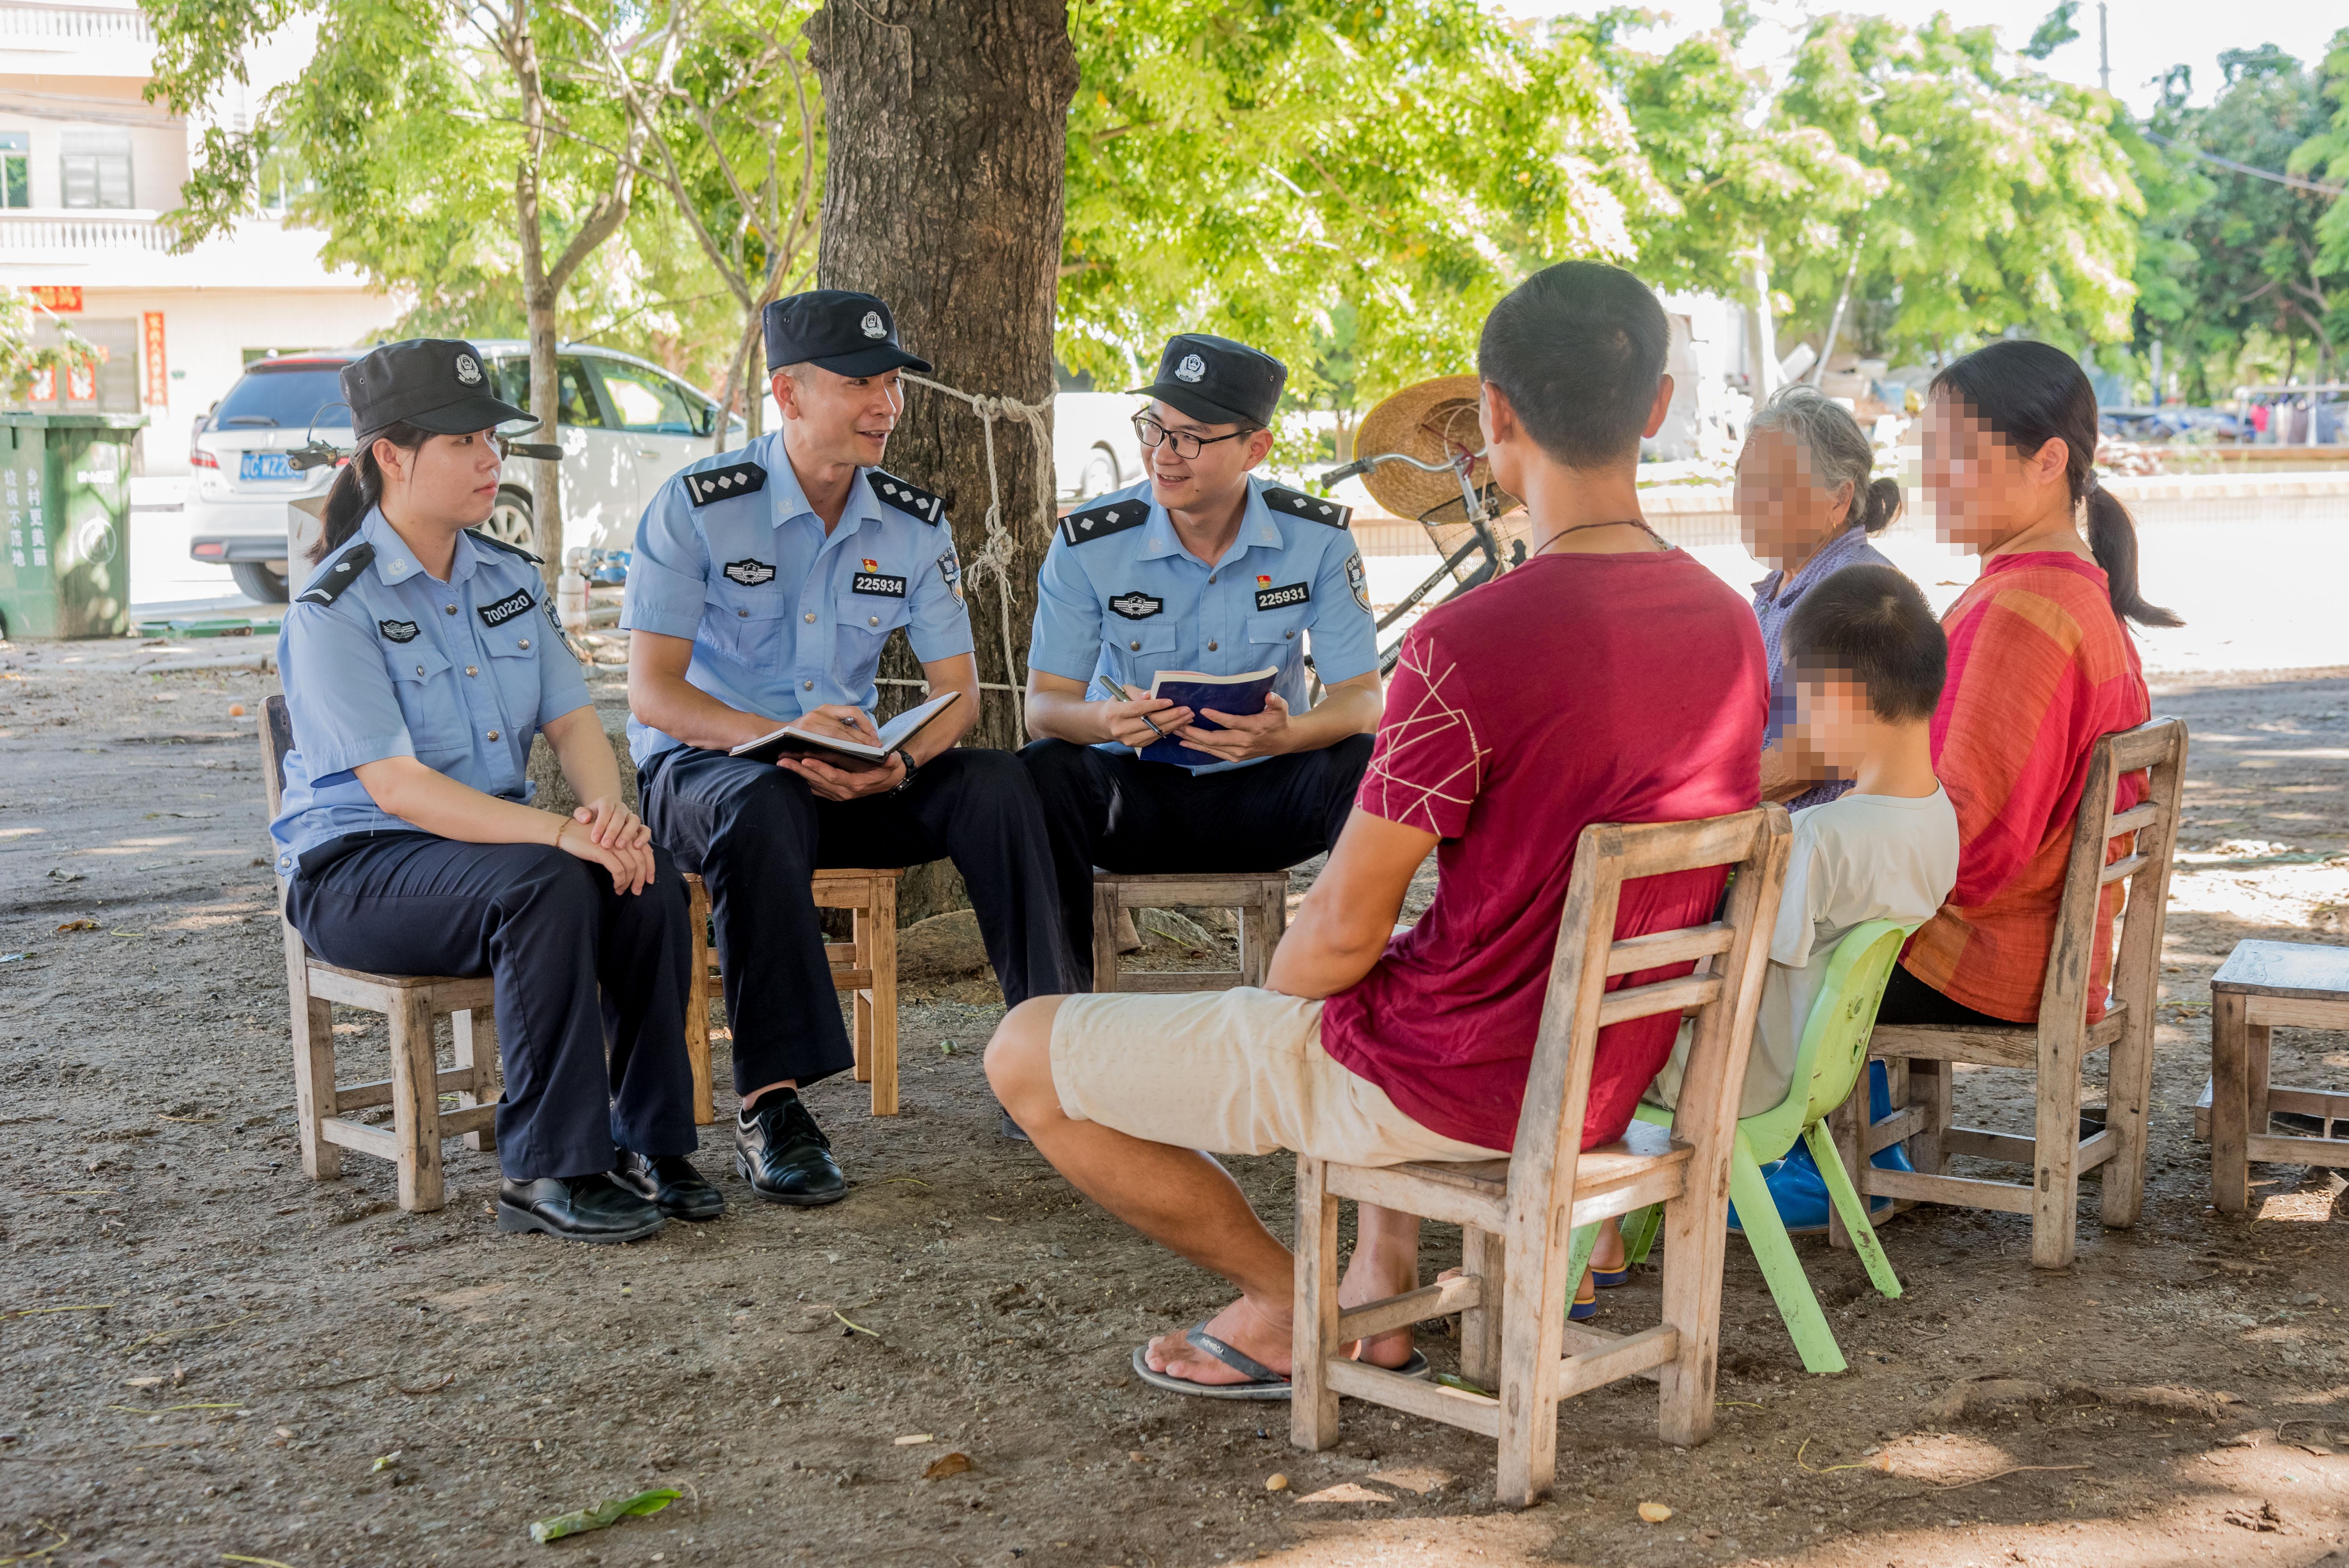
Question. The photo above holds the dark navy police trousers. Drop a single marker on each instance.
(1113, 810)
(590, 984)
(757, 833)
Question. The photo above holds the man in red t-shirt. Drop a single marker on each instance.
(1610, 678)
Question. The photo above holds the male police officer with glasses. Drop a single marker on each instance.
(1202, 567)
(764, 584)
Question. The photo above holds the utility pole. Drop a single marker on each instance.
(2104, 50)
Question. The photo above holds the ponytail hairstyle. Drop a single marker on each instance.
(1839, 451)
(2030, 394)
(360, 485)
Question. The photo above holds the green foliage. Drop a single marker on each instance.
(2325, 157)
(2055, 31)
(20, 356)
(2248, 297)
(1348, 186)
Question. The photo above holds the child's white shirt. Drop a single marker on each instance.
(1854, 859)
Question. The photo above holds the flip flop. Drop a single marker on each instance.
(1606, 1279)
(1263, 1383)
(1586, 1302)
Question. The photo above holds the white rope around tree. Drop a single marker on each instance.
(996, 555)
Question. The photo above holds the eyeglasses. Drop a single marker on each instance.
(1153, 435)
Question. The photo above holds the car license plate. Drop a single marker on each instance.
(264, 466)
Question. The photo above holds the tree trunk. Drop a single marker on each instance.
(942, 195)
(545, 474)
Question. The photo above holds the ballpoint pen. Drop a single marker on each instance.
(1102, 683)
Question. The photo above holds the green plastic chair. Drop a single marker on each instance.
(1828, 1066)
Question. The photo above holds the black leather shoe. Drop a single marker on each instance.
(1010, 1128)
(671, 1182)
(577, 1209)
(784, 1155)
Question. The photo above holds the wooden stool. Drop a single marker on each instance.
(2057, 1046)
(867, 966)
(2262, 983)
(1518, 1214)
(410, 1003)
(1262, 898)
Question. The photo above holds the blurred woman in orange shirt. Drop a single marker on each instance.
(2040, 666)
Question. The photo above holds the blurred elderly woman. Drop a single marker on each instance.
(1805, 508)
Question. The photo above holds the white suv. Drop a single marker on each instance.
(625, 425)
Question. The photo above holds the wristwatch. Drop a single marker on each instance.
(911, 767)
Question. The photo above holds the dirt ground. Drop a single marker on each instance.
(205, 1357)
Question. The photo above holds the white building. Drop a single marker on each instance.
(88, 169)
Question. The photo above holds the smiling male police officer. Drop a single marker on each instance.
(764, 584)
(1201, 567)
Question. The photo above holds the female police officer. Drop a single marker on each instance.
(419, 664)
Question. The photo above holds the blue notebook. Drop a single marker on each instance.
(1242, 694)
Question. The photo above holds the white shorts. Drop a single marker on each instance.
(1232, 1072)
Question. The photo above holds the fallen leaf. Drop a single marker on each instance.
(1654, 1513)
(1276, 1481)
(384, 1462)
(608, 1512)
(946, 1465)
(910, 1439)
(78, 926)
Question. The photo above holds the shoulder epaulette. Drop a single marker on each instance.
(1296, 503)
(1101, 522)
(340, 575)
(703, 486)
(478, 537)
(906, 497)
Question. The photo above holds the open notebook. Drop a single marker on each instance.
(805, 737)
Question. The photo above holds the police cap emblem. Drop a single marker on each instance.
(873, 326)
(469, 370)
(1192, 368)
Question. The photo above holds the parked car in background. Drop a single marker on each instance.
(625, 426)
(1094, 450)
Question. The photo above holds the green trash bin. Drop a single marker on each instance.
(64, 487)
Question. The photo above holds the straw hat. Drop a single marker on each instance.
(1434, 421)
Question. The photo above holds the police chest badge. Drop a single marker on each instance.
(1271, 598)
(950, 572)
(749, 573)
(1137, 606)
(1358, 581)
(517, 603)
(1192, 368)
(880, 584)
(398, 631)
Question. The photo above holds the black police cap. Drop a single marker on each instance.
(846, 333)
(436, 383)
(1217, 380)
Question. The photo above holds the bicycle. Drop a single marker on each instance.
(1473, 507)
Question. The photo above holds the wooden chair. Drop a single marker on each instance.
(1261, 898)
(2263, 984)
(2056, 1048)
(1518, 1214)
(409, 1004)
(866, 966)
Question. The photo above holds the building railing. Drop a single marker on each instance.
(21, 234)
(74, 23)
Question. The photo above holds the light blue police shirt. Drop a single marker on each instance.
(1119, 596)
(782, 618)
(380, 658)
